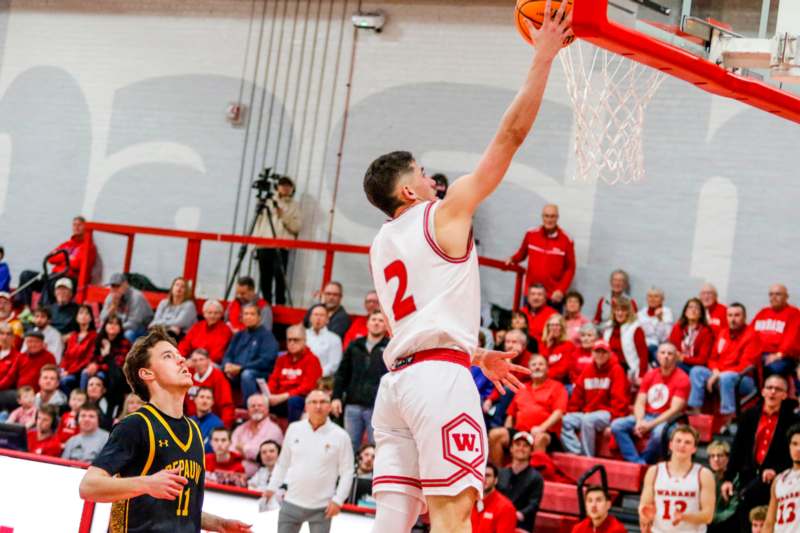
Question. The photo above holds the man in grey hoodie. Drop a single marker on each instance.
(129, 305)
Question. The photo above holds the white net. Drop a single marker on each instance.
(609, 94)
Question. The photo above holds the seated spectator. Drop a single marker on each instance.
(662, 395)
(211, 334)
(520, 482)
(777, 329)
(356, 384)
(338, 319)
(537, 311)
(259, 427)
(324, 343)
(716, 313)
(557, 349)
(600, 395)
(68, 425)
(575, 320)
(8, 316)
(267, 456)
(78, 351)
(361, 492)
(251, 353)
(719, 452)
(358, 327)
(736, 348)
(25, 414)
(757, 517)
(494, 513)
(597, 503)
(536, 408)
(222, 465)
(5, 273)
(53, 342)
(495, 404)
(627, 340)
(656, 321)
(42, 440)
(111, 348)
(129, 304)
(620, 286)
(519, 320)
(96, 395)
(246, 295)
(177, 312)
(582, 357)
(8, 367)
(90, 440)
(206, 420)
(692, 336)
(27, 366)
(132, 403)
(207, 375)
(295, 375)
(49, 394)
(64, 310)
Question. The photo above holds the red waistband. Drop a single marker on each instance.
(435, 354)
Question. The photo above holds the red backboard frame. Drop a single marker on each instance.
(590, 22)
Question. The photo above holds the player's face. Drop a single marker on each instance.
(597, 505)
(169, 366)
(419, 185)
(794, 449)
(204, 401)
(48, 381)
(682, 445)
(88, 421)
(376, 325)
(220, 442)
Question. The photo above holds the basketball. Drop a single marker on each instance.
(533, 10)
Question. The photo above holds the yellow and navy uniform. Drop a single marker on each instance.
(144, 443)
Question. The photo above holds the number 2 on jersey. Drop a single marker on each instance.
(403, 305)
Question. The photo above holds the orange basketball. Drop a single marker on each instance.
(533, 10)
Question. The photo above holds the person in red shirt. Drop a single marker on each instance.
(627, 340)
(8, 363)
(736, 348)
(212, 333)
(777, 330)
(537, 312)
(207, 375)
(551, 256)
(358, 327)
(537, 408)
(620, 287)
(495, 513)
(582, 356)
(42, 440)
(600, 394)
(78, 351)
(295, 375)
(662, 395)
(716, 313)
(75, 249)
(27, 366)
(516, 341)
(692, 335)
(224, 466)
(598, 503)
(558, 350)
(246, 294)
(68, 425)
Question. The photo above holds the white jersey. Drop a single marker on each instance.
(431, 300)
(787, 494)
(673, 494)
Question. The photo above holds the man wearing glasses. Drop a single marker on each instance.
(759, 450)
(331, 298)
(295, 375)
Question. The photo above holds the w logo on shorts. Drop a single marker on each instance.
(463, 444)
(464, 441)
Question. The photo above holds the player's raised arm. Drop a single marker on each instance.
(647, 501)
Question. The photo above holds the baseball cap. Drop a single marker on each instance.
(117, 279)
(35, 332)
(4, 294)
(64, 282)
(523, 435)
(601, 345)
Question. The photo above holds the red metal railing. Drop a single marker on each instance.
(194, 240)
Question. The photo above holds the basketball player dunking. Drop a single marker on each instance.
(678, 495)
(783, 514)
(153, 466)
(431, 441)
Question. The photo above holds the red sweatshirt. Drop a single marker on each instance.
(357, 329)
(694, 344)
(214, 338)
(298, 376)
(74, 248)
(717, 317)
(609, 525)
(68, 427)
(78, 353)
(7, 365)
(497, 514)
(560, 359)
(223, 398)
(536, 321)
(601, 389)
(551, 259)
(777, 330)
(735, 350)
(25, 370)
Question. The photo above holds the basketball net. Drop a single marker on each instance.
(609, 94)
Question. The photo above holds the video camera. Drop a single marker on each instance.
(266, 184)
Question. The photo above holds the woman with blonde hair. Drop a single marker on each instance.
(626, 339)
(177, 311)
(557, 348)
(131, 404)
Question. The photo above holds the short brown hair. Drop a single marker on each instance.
(139, 357)
(381, 178)
(686, 428)
(48, 368)
(758, 513)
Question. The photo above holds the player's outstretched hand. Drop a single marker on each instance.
(553, 33)
(499, 370)
(164, 485)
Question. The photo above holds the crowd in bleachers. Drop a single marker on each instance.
(610, 385)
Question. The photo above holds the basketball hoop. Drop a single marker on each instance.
(609, 94)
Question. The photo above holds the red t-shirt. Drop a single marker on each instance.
(609, 525)
(560, 360)
(68, 427)
(498, 514)
(764, 433)
(48, 446)
(223, 398)
(536, 321)
(660, 389)
(533, 405)
(215, 339)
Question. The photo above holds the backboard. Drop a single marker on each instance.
(748, 50)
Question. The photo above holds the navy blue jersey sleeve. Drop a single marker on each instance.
(127, 448)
